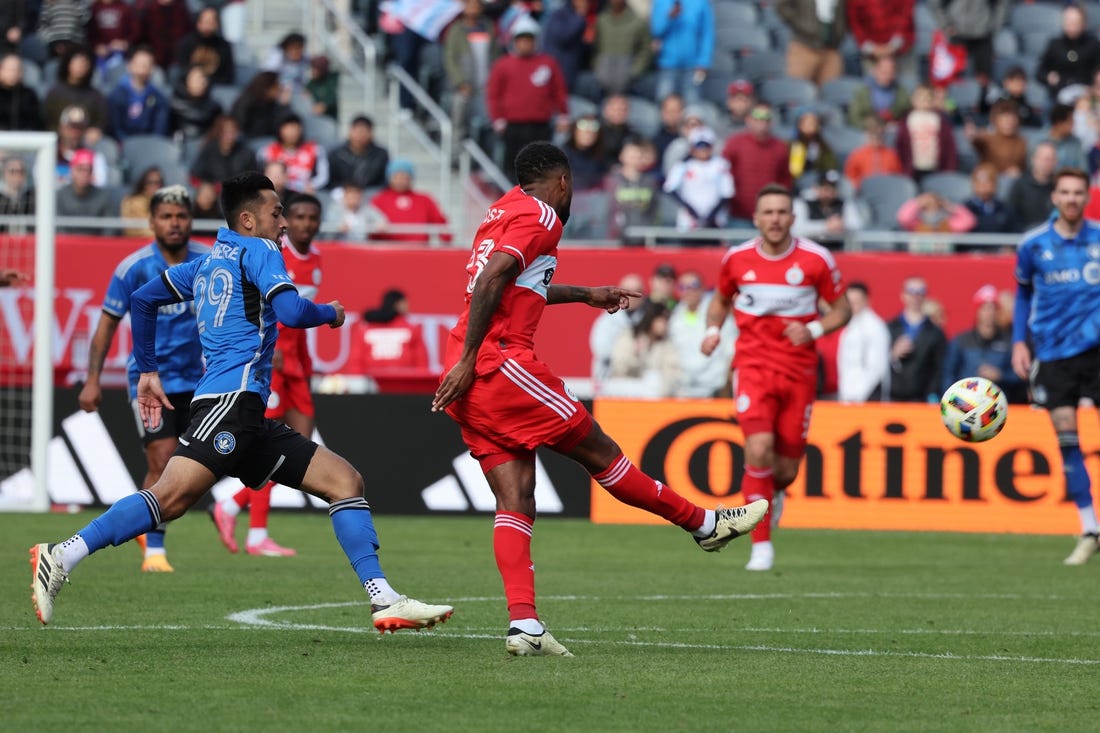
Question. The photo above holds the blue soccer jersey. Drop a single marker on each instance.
(232, 288)
(179, 354)
(1063, 278)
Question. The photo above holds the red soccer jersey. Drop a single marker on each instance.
(768, 292)
(528, 230)
(305, 273)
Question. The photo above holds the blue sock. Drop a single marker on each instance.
(1078, 486)
(126, 519)
(354, 528)
(155, 538)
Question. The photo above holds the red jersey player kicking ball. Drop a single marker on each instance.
(508, 403)
(775, 283)
(291, 401)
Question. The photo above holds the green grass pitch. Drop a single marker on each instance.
(854, 631)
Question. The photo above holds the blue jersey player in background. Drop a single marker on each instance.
(239, 290)
(1056, 342)
(179, 353)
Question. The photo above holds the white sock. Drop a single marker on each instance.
(764, 547)
(1088, 519)
(230, 507)
(72, 551)
(707, 528)
(150, 551)
(256, 536)
(381, 594)
(528, 625)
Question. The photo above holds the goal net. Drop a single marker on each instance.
(27, 186)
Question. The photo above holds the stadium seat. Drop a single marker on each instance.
(952, 185)
(762, 65)
(256, 144)
(714, 86)
(645, 116)
(1004, 186)
(883, 196)
(1038, 97)
(32, 74)
(666, 210)
(580, 106)
(588, 215)
(175, 174)
(646, 86)
(225, 95)
(843, 140)
(787, 94)
(923, 18)
(723, 60)
(139, 152)
(840, 91)
(1036, 18)
(967, 94)
(1006, 43)
(1034, 136)
(743, 41)
(587, 86)
(1034, 43)
(968, 157)
(734, 14)
(323, 130)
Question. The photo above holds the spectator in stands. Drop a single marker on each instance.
(634, 191)
(863, 363)
(756, 158)
(136, 204)
(205, 46)
(351, 215)
(984, 351)
(662, 286)
(991, 215)
(112, 29)
(584, 148)
(701, 376)
(672, 117)
(926, 139)
(607, 327)
(323, 88)
(16, 194)
(884, 28)
(615, 125)
(702, 185)
(61, 25)
(1086, 116)
(275, 170)
(683, 31)
(1029, 197)
(822, 215)
(679, 149)
(205, 207)
(73, 135)
(1071, 58)
(526, 94)
(260, 106)
(1013, 88)
(19, 105)
(873, 158)
(818, 27)
(568, 33)
(622, 50)
(15, 22)
(223, 154)
(740, 99)
(288, 59)
(1071, 154)
(973, 24)
(881, 96)
(136, 106)
(80, 197)
(163, 24)
(193, 109)
(74, 89)
(644, 360)
(400, 204)
(931, 212)
(385, 340)
(469, 51)
(1003, 146)
(810, 153)
(306, 161)
(917, 348)
(359, 161)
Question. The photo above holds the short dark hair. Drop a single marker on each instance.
(539, 160)
(860, 286)
(1071, 173)
(362, 120)
(773, 189)
(241, 191)
(301, 198)
(1060, 113)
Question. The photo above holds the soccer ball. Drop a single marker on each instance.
(974, 409)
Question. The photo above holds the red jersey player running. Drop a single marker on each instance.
(774, 283)
(508, 403)
(291, 401)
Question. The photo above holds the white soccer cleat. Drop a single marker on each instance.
(777, 506)
(49, 576)
(1087, 546)
(521, 644)
(762, 557)
(408, 613)
(732, 523)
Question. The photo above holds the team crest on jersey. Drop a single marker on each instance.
(1094, 251)
(568, 392)
(225, 442)
(743, 403)
(795, 275)
(749, 276)
(273, 401)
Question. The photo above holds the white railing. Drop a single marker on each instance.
(399, 79)
(328, 26)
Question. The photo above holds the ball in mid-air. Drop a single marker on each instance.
(974, 409)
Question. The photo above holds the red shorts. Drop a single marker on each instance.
(288, 393)
(508, 413)
(773, 402)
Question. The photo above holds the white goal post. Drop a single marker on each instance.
(25, 489)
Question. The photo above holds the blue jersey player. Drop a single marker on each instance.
(239, 290)
(1056, 343)
(179, 354)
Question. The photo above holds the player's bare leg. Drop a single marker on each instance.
(333, 479)
(155, 560)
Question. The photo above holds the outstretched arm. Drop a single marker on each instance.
(297, 312)
(610, 298)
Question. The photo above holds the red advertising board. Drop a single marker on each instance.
(434, 280)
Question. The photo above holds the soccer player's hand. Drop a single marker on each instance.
(710, 341)
(1021, 360)
(90, 395)
(797, 333)
(611, 298)
(457, 381)
(151, 398)
(339, 314)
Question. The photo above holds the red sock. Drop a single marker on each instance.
(243, 496)
(630, 486)
(758, 483)
(512, 548)
(259, 506)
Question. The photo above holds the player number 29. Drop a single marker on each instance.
(217, 293)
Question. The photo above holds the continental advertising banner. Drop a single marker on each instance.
(881, 467)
